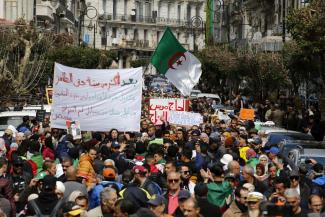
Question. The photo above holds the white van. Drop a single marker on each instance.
(14, 118)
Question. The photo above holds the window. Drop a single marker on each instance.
(145, 35)
(178, 13)
(158, 36)
(114, 9)
(114, 30)
(103, 36)
(168, 11)
(104, 6)
(11, 9)
(136, 35)
(188, 12)
(125, 7)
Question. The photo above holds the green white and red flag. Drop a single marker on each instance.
(179, 66)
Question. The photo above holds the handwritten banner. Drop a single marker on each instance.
(101, 99)
(159, 108)
(246, 114)
(185, 118)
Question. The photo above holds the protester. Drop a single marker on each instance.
(221, 167)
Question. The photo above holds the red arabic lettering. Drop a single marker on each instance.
(68, 78)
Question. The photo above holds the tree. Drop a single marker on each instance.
(23, 59)
(265, 73)
(307, 27)
(27, 58)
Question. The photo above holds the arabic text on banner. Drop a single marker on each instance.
(159, 108)
(185, 118)
(101, 99)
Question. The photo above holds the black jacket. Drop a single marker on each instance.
(46, 203)
(207, 209)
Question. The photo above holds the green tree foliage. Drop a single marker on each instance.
(27, 58)
(23, 59)
(139, 63)
(223, 67)
(307, 27)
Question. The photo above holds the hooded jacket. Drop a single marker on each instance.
(86, 170)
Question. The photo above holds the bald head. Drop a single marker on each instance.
(234, 167)
(71, 173)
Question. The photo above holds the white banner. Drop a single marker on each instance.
(101, 99)
(185, 118)
(159, 108)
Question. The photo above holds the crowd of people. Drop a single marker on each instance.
(219, 168)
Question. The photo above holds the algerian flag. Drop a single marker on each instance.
(179, 66)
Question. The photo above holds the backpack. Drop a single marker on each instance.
(38, 212)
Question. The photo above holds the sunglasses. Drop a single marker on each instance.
(186, 172)
(173, 180)
(252, 202)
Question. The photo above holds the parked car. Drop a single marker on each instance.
(14, 118)
(279, 135)
(287, 145)
(195, 93)
(303, 155)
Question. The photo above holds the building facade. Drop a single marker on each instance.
(50, 15)
(253, 23)
(134, 27)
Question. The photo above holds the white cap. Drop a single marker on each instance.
(60, 187)
(226, 159)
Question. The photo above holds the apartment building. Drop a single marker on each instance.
(134, 27)
(253, 23)
(50, 15)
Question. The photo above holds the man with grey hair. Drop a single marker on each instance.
(248, 174)
(108, 197)
(293, 198)
(109, 163)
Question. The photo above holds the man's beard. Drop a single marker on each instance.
(253, 213)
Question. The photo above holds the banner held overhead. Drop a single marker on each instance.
(101, 99)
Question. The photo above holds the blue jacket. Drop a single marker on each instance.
(94, 195)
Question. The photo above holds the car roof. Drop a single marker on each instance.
(18, 113)
(280, 131)
(313, 152)
(208, 95)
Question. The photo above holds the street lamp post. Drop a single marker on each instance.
(196, 23)
(91, 12)
(93, 27)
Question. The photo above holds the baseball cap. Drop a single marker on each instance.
(183, 194)
(139, 169)
(226, 159)
(49, 182)
(273, 150)
(109, 173)
(71, 208)
(254, 196)
(156, 200)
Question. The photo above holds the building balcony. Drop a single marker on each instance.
(131, 44)
(68, 17)
(44, 11)
(150, 20)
